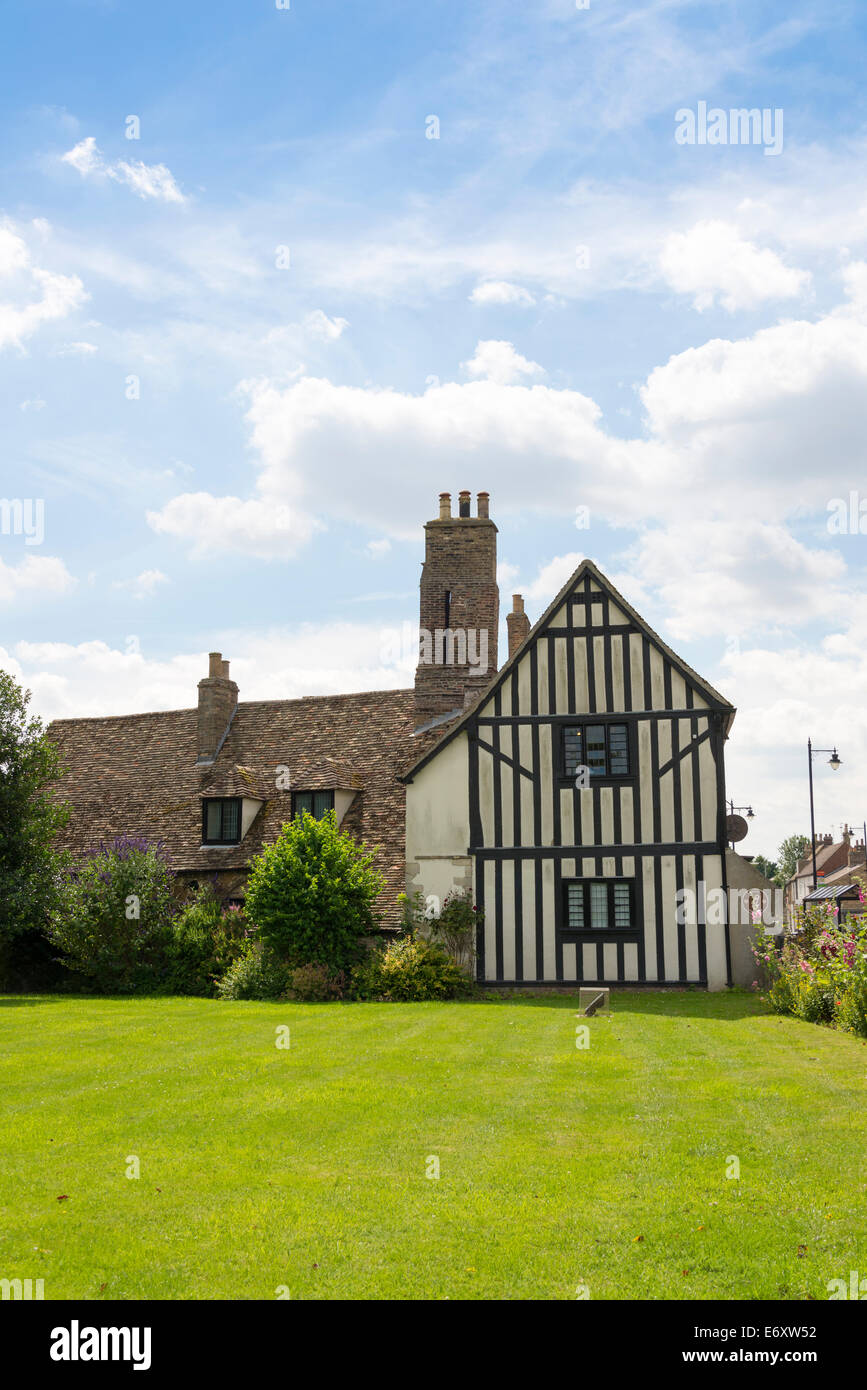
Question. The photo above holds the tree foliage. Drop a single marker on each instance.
(791, 850)
(30, 816)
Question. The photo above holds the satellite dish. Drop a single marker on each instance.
(736, 829)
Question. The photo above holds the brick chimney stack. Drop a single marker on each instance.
(459, 608)
(218, 697)
(518, 624)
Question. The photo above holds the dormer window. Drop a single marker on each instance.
(221, 820)
(316, 804)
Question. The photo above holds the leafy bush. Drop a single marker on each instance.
(455, 927)
(316, 983)
(311, 893)
(410, 970)
(114, 917)
(256, 974)
(206, 940)
(813, 995)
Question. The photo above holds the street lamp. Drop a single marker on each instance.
(833, 762)
(751, 815)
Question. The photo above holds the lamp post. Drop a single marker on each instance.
(749, 810)
(833, 762)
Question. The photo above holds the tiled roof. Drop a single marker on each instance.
(137, 775)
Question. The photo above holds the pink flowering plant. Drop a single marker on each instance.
(820, 973)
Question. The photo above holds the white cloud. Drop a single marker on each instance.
(501, 292)
(91, 678)
(498, 361)
(35, 403)
(713, 261)
(35, 574)
(208, 523)
(58, 294)
(378, 549)
(731, 577)
(551, 578)
(146, 180)
(81, 349)
(144, 585)
(319, 325)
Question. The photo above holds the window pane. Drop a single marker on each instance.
(575, 906)
(321, 804)
(618, 750)
(213, 820)
(231, 821)
(303, 802)
(622, 905)
(571, 750)
(595, 741)
(599, 904)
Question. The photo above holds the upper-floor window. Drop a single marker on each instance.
(603, 748)
(314, 803)
(221, 820)
(600, 904)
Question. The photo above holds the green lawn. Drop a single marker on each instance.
(306, 1168)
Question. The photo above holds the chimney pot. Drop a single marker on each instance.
(483, 503)
(463, 504)
(218, 696)
(517, 623)
(445, 506)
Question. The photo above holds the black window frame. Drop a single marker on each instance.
(606, 778)
(610, 933)
(317, 791)
(223, 802)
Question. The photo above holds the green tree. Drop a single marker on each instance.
(765, 866)
(311, 893)
(30, 816)
(790, 851)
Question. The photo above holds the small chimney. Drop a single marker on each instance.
(445, 506)
(518, 624)
(483, 502)
(463, 504)
(218, 698)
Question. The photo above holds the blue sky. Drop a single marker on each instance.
(554, 300)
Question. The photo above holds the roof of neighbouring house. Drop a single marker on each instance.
(137, 774)
(833, 890)
(825, 853)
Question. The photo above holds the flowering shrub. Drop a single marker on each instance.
(820, 974)
(114, 918)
